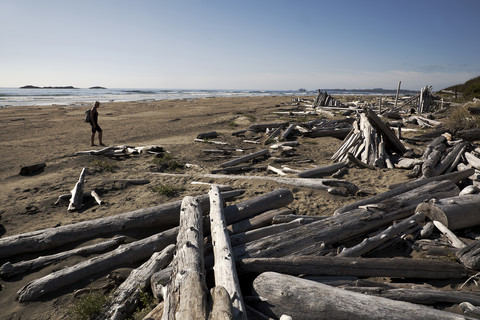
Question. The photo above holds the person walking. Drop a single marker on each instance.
(94, 125)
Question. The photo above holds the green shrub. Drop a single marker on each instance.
(459, 118)
(167, 162)
(108, 166)
(167, 190)
(88, 306)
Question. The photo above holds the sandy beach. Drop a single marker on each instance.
(54, 134)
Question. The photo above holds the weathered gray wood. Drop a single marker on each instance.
(125, 298)
(470, 255)
(472, 160)
(341, 227)
(77, 193)
(257, 221)
(264, 126)
(187, 292)
(222, 308)
(125, 254)
(391, 139)
(371, 243)
(455, 213)
(207, 135)
(354, 266)
(9, 270)
(245, 158)
(469, 309)
(287, 131)
(290, 217)
(322, 171)
(280, 294)
(164, 215)
(404, 187)
(339, 133)
(428, 166)
(224, 269)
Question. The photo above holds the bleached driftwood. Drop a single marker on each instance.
(371, 243)
(276, 170)
(470, 255)
(322, 171)
(165, 215)
(354, 266)
(127, 253)
(12, 269)
(125, 298)
(404, 187)
(455, 213)
(456, 242)
(321, 184)
(280, 294)
(260, 220)
(245, 158)
(224, 269)
(222, 308)
(187, 292)
(77, 193)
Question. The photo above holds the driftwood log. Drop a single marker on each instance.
(322, 171)
(164, 215)
(455, 213)
(224, 269)
(77, 193)
(280, 294)
(187, 292)
(9, 270)
(354, 266)
(125, 254)
(125, 298)
(470, 255)
(245, 158)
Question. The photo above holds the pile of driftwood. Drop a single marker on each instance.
(261, 260)
(324, 99)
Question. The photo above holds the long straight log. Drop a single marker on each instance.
(125, 254)
(224, 269)
(353, 266)
(453, 176)
(246, 158)
(280, 294)
(187, 292)
(126, 297)
(164, 215)
(322, 171)
(257, 221)
(9, 270)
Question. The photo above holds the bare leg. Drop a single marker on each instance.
(100, 138)
(92, 138)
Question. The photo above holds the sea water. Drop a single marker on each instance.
(82, 96)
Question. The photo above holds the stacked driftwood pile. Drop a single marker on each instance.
(324, 99)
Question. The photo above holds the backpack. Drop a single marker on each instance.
(87, 116)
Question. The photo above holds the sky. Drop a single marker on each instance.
(244, 44)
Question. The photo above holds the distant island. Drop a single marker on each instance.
(97, 87)
(35, 87)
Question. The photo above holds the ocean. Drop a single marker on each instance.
(82, 96)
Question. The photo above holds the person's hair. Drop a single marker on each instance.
(97, 103)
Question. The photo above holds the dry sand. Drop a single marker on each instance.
(53, 134)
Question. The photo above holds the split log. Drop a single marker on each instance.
(338, 228)
(165, 215)
(428, 166)
(472, 160)
(371, 243)
(470, 255)
(224, 269)
(77, 193)
(32, 168)
(187, 292)
(322, 171)
(280, 294)
(125, 254)
(358, 267)
(404, 187)
(125, 298)
(245, 158)
(455, 213)
(456, 242)
(8, 269)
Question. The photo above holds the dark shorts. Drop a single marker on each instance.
(97, 128)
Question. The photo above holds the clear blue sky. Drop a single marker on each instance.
(246, 44)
